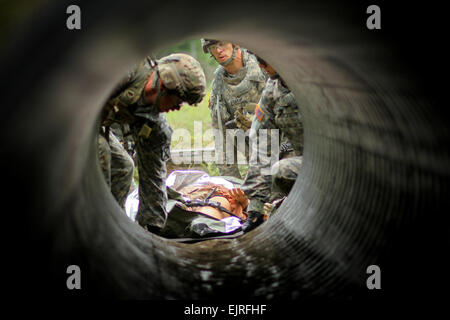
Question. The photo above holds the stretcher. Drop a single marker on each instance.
(184, 225)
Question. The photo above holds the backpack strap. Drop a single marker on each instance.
(207, 203)
(117, 109)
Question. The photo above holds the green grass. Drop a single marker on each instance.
(185, 119)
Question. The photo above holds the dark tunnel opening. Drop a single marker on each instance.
(372, 190)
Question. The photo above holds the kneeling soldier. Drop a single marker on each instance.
(140, 100)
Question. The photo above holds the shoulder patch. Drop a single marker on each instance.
(259, 113)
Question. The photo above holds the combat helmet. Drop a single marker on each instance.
(183, 74)
(206, 43)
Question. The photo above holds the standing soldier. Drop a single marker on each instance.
(264, 183)
(149, 90)
(237, 86)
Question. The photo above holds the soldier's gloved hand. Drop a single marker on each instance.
(243, 121)
(254, 219)
(271, 207)
(268, 207)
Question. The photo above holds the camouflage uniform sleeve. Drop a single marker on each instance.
(122, 168)
(214, 119)
(257, 184)
(288, 118)
(152, 154)
(212, 105)
(117, 167)
(104, 156)
(262, 84)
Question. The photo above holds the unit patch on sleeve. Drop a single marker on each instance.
(259, 113)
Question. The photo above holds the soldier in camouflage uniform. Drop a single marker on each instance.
(149, 90)
(236, 88)
(264, 183)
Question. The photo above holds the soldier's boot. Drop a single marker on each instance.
(153, 229)
(254, 219)
(149, 223)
